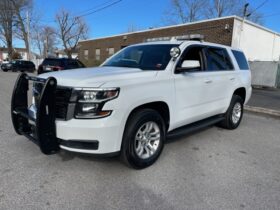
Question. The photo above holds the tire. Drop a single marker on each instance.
(134, 139)
(232, 120)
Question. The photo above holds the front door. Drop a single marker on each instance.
(193, 88)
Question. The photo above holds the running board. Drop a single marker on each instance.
(193, 127)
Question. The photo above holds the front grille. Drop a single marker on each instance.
(62, 101)
(62, 98)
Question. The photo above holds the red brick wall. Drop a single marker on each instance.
(214, 31)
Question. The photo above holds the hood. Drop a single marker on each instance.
(96, 77)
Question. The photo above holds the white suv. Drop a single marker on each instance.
(133, 101)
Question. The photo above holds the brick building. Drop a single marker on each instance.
(231, 31)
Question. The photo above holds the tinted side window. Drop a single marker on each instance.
(193, 53)
(80, 64)
(241, 60)
(52, 62)
(218, 59)
(72, 64)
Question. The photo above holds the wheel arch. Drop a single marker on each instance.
(160, 106)
(241, 92)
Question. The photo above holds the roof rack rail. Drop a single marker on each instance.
(191, 37)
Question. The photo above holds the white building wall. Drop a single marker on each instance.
(74, 55)
(258, 43)
(23, 55)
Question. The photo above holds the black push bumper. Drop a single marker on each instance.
(42, 128)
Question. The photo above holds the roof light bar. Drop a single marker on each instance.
(158, 39)
(192, 37)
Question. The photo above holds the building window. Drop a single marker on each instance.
(86, 54)
(111, 51)
(97, 54)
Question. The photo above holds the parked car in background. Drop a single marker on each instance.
(58, 64)
(18, 65)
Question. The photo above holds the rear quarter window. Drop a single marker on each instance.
(74, 64)
(241, 60)
(52, 62)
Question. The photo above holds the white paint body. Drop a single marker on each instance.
(189, 96)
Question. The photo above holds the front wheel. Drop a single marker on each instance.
(143, 138)
(234, 114)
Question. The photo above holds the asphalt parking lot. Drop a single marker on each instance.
(212, 169)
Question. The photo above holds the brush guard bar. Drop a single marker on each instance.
(42, 131)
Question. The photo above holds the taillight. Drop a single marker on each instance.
(58, 68)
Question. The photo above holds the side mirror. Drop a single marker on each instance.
(190, 64)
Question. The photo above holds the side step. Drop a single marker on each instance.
(193, 127)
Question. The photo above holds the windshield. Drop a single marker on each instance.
(145, 57)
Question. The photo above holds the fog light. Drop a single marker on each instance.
(89, 107)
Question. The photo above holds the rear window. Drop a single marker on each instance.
(52, 62)
(74, 64)
(241, 60)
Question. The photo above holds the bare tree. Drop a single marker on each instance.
(251, 14)
(191, 10)
(23, 10)
(220, 8)
(185, 10)
(44, 39)
(6, 25)
(256, 17)
(70, 31)
(131, 28)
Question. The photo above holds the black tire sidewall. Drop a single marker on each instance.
(133, 125)
(235, 99)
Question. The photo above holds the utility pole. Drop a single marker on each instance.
(28, 35)
(245, 14)
(243, 21)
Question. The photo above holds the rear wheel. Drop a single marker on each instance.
(234, 114)
(143, 138)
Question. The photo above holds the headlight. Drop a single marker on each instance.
(91, 101)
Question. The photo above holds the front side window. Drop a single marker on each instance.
(145, 57)
(193, 53)
(218, 59)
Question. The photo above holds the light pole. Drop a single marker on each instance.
(243, 22)
(28, 35)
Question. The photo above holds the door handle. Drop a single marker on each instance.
(208, 81)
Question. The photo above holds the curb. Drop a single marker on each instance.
(260, 110)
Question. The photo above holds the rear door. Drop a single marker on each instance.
(221, 74)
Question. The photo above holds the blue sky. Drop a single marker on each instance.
(140, 13)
